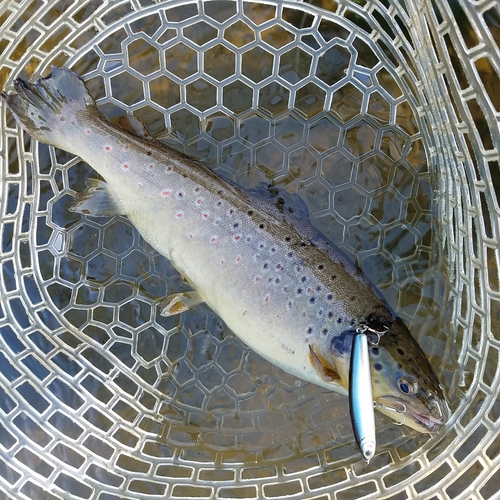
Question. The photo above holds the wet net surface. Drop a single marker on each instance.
(380, 118)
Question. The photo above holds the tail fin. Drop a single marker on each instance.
(44, 108)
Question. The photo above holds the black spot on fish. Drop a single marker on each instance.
(299, 290)
(265, 266)
(377, 366)
(261, 226)
(250, 213)
(400, 351)
(353, 297)
(309, 330)
(290, 254)
(330, 314)
(320, 266)
(325, 331)
(303, 279)
(149, 153)
(312, 300)
(334, 277)
(318, 289)
(339, 321)
(287, 238)
(235, 225)
(329, 296)
(399, 366)
(303, 244)
(375, 351)
(342, 343)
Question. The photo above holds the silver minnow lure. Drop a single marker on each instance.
(280, 286)
(361, 398)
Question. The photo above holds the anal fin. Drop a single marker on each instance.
(96, 200)
(180, 302)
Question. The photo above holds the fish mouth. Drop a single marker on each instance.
(430, 423)
(405, 412)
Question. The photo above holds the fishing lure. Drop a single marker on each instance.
(360, 397)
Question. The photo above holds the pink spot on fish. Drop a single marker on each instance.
(205, 215)
(190, 236)
(166, 192)
(108, 148)
(237, 237)
(238, 260)
(179, 215)
(266, 298)
(151, 167)
(278, 266)
(198, 201)
(126, 166)
(213, 239)
(139, 185)
(88, 131)
(126, 148)
(257, 279)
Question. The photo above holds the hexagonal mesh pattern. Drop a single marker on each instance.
(380, 117)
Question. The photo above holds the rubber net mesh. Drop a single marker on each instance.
(380, 117)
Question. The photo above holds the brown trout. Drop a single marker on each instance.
(280, 286)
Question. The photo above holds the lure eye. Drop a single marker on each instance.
(408, 385)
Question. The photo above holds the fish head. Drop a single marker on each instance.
(404, 385)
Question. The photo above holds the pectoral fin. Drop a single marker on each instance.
(180, 302)
(326, 369)
(96, 200)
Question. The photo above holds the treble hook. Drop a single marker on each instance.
(388, 408)
(365, 328)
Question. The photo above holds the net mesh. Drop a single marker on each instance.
(379, 119)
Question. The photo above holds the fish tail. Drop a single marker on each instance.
(46, 108)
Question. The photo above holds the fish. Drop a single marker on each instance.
(281, 286)
(361, 397)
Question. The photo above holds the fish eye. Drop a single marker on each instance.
(408, 385)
